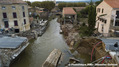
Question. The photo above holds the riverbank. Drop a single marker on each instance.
(81, 48)
(38, 29)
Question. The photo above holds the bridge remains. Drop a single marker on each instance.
(53, 59)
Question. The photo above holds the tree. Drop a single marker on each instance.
(36, 4)
(98, 2)
(48, 5)
(91, 19)
(61, 5)
(28, 2)
(87, 30)
(83, 30)
(83, 13)
(81, 4)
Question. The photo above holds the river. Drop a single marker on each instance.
(38, 50)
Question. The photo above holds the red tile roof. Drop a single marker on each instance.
(68, 10)
(11, 1)
(113, 3)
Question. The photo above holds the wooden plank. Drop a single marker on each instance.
(52, 59)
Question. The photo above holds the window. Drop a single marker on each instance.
(105, 21)
(23, 14)
(98, 10)
(16, 30)
(24, 21)
(102, 10)
(22, 7)
(13, 7)
(117, 23)
(4, 15)
(15, 23)
(117, 13)
(14, 15)
(6, 24)
(3, 7)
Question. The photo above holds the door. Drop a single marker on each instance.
(6, 24)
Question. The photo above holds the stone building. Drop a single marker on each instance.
(107, 19)
(14, 14)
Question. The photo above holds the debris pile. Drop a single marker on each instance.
(83, 45)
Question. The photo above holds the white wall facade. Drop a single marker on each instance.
(106, 11)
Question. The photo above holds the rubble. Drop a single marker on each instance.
(10, 48)
(83, 45)
(37, 30)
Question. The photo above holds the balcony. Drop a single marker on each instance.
(102, 20)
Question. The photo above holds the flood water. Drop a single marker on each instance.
(38, 50)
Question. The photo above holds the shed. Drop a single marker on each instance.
(69, 12)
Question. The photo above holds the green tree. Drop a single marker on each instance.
(98, 2)
(48, 5)
(81, 4)
(36, 4)
(61, 5)
(83, 30)
(83, 13)
(28, 2)
(87, 30)
(91, 19)
(69, 5)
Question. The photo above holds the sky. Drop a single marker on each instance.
(58, 0)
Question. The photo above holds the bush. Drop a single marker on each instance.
(83, 30)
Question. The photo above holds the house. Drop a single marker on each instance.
(14, 14)
(107, 19)
(69, 14)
